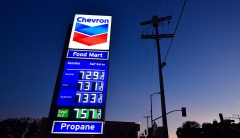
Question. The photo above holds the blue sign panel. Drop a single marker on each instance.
(84, 54)
(77, 127)
(81, 85)
(84, 83)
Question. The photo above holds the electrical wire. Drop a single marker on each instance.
(160, 7)
(166, 8)
(142, 13)
(155, 7)
(166, 40)
(156, 86)
(153, 59)
(147, 13)
(146, 28)
(175, 30)
(172, 7)
(147, 76)
(148, 8)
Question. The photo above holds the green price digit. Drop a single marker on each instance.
(82, 113)
(99, 113)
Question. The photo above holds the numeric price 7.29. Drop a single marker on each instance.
(91, 75)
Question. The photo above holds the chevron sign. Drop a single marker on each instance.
(91, 32)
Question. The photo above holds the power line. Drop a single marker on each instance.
(155, 6)
(148, 8)
(143, 8)
(153, 59)
(148, 76)
(166, 40)
(160, 7)
(143, 29)
(175, 30)
(172, 6)
(166, 8)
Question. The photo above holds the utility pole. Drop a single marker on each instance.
(151, 109)
(147, 120)
(155, 21)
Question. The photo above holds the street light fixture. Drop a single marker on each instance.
(151, 105)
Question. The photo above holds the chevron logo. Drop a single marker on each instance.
(90, 35)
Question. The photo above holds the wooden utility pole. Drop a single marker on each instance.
(155, 21)
(147, 120)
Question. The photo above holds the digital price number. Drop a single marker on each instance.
(89, 98)
(81, 113)
(92, 113)
(91, 75)
(90, 86)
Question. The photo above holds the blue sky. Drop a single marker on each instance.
(202, 71)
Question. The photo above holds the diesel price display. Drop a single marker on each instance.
(81, 113)
(83, 83)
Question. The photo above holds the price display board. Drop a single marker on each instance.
(84, 83)
(82, 95)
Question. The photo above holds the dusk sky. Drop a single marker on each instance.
(202, 71)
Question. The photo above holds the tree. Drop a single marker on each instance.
(188, 129)
(21, 128)
(190, 124)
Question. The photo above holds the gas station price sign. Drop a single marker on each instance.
(78, 105)
(84, 83)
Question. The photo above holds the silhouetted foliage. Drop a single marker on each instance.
(21, 128)
(188, 129)
(190, 124)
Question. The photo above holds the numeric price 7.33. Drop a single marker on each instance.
(89, 98)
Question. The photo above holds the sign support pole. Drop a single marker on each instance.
(53, 110)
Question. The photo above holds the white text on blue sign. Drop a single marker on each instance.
(77, 127)
(83, 54)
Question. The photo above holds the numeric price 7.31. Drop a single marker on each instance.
(90, 86)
